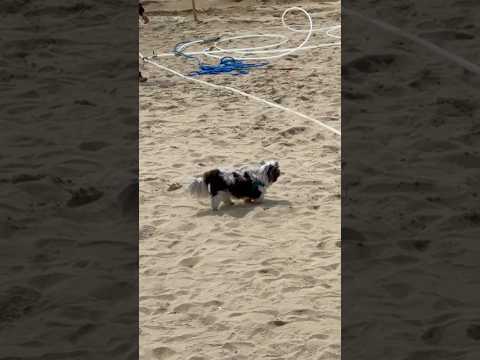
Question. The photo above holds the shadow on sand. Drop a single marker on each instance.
(239, 210)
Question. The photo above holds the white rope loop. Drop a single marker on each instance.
(259, 50)
(265, 52)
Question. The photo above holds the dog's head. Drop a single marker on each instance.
(271, 170)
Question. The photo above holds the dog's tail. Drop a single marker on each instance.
(198, 188)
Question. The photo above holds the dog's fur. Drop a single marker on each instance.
(249, 184)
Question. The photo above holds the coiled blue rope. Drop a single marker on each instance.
(225, 65)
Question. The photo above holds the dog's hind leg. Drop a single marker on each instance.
(216, 200)
(226, 198)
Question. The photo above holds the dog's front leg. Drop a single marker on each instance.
(260, 198)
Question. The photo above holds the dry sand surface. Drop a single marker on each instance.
(248, 282)
(428, 168)
(68, 251)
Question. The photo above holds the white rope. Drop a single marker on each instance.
(266, 49)
(440, 51)
(256, 98)
(285, 53)
(204, 52)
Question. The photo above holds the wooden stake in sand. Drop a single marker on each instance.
(194, 11)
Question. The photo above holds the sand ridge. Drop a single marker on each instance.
(248, 282)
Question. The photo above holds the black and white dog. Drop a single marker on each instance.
(249, 184)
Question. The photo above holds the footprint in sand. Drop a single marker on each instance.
(190, 262)
(277, 323)
(162, 353)
(17, 302)
(146, 231)
(319, 336)
(433, 335)
(269, 272)
(371, 64)
(292, 131)
(473, 332)
(83, 196)
(183, 308)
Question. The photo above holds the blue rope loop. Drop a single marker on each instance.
(226, 64)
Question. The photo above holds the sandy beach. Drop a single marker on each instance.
(249, 281)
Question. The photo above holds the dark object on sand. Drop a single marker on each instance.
(141, 13)
(194, 9)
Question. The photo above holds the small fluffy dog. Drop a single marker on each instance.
(249, 184)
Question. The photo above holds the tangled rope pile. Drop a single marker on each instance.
(226, 64)
(236, 62)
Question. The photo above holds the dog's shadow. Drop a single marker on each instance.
(240, 210)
